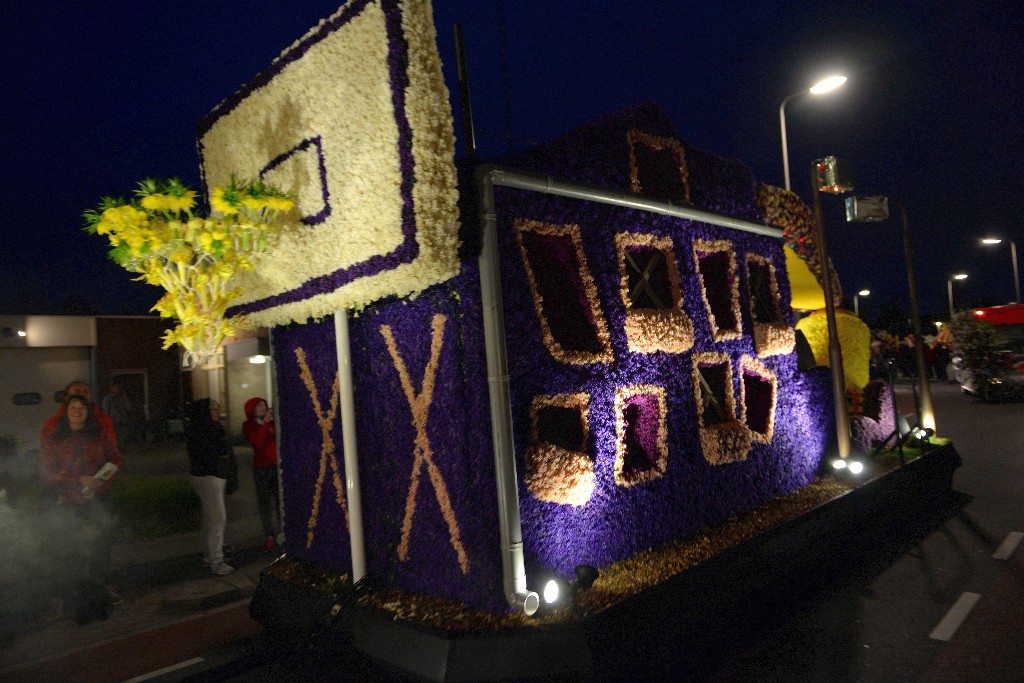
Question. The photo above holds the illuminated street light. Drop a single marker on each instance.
(1013, 256)
(949, 288)
(856, 300)
(872, 210)
(823, 86)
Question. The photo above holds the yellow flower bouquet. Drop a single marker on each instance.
(160, 234)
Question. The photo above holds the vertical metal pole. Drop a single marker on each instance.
(856, 305)
(835, 354)
(949, 291)
(464, 101)
(785, 150)
(927, 412)
(1016, 275)
(506, 479)
(349, 444)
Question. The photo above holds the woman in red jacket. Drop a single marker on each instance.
(69, 458)
(258, 430)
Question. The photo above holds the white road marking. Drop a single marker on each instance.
(1009, 545)
(955, 616)
(166, 670)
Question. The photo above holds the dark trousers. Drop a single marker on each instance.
(268, 498)
(82, 541)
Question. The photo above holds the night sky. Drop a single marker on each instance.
(99, 95)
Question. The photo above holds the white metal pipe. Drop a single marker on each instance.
(273, 398)
(349, 445)
(503, 441)
(629, 200)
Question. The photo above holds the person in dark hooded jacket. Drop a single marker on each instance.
(258, 430)
(208, 455)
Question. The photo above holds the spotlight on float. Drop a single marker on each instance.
(855, 467)
(551, 592)
(839, 464)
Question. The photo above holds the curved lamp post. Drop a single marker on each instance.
(949, 288)
(1013, 255)
(872, 210)
(856, 300)
(823, 86)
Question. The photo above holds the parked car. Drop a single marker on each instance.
(1005, 382)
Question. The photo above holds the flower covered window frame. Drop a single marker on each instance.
(557, 472)
(644, 176)
(725, 439)
(665, 326)
(715, 263)
(561, 329)
(758, 411)
(641, 434)
(772, 336)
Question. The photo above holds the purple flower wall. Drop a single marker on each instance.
(619, 521)
(433, 437)
(452, 552)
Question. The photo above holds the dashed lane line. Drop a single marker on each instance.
(166, 670)
(1008, 546)
(955, 616)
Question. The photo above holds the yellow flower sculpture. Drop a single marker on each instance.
(161, 236)
(854, 340)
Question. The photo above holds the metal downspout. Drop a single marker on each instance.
(506, 480)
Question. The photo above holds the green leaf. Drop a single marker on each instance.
(120, 254)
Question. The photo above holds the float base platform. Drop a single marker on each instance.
(681, 629)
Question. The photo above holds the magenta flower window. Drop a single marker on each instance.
(559, 467)
(649, 286)
(564, 294)
(641, 434)
(758, 388)
(716, 266)
(657, 167)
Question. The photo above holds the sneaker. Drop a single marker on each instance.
(222, 569)
(112, 597)
(269, 544)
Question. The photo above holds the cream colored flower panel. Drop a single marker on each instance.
(354, 122)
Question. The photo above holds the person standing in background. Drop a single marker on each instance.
(208, 456)
(118, 407)
(258, 430)
(78, 388)
(70, 460)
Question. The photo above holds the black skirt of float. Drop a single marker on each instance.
(682, 629)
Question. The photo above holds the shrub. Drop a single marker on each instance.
(154, 505)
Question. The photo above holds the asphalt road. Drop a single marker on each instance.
(876, 621)
(928, 603)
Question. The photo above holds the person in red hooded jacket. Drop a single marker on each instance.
(258, 430)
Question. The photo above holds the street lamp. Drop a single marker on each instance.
(823, 86)
(949, 288)
(856, 304)
(1013, 256)
(832, 175)
(872, 210)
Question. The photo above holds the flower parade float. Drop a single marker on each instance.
(578, 366)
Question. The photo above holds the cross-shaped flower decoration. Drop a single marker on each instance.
(161, 235)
